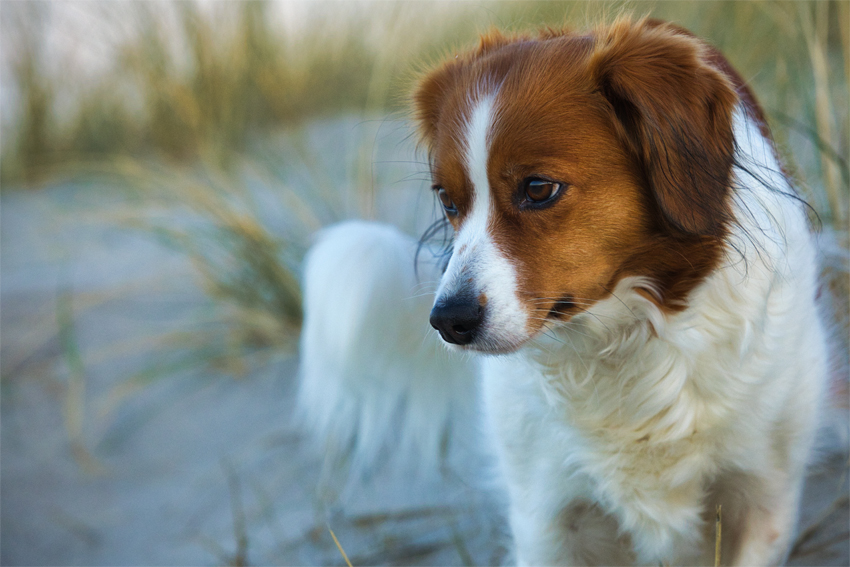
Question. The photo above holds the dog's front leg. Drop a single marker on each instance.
(759, 513)
(767, 520)
(537, 538)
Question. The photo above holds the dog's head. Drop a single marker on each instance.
(567, 162)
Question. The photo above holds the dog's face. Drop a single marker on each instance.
(566, 163)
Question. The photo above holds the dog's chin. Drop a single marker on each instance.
(506, 343)
(489, 344)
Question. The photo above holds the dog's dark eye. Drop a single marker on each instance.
(539, 190)
(447, 202)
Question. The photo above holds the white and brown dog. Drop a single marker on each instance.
(638, 270)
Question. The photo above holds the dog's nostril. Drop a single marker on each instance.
(460, 329)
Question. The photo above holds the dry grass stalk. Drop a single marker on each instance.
(844, 32)
(717, 529)
(75, 395)
(339, 547)
(815, 34)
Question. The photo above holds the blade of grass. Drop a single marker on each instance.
(718, 524)
(75, 396)
(460, 546)
(814, 33)
(339, 547)
(240, 556)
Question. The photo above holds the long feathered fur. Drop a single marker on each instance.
(374, 380)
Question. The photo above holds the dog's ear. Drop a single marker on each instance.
(429, 98)
(436, 87)
(674, 112)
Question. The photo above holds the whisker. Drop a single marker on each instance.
(421, 285)
(621, 301)
(414, 296)
(595, 316)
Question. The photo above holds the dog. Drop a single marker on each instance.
(639, 277)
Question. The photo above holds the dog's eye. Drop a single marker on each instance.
(447, 202)
(539, 190)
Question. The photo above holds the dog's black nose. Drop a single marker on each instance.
(457, 319)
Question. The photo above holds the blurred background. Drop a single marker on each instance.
(163, 168)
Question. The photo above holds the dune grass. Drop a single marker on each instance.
(178, 80)
(215, 221)
(184, 81)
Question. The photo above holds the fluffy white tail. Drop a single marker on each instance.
(374, 380)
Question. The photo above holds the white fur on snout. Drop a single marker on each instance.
(477, 265)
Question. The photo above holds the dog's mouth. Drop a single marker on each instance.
(562, 309)
(492, 346)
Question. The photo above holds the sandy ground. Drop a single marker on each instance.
(199, 467)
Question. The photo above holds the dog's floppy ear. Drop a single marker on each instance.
(674, 112)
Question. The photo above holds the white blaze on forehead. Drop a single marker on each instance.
(477, 152)
(477, 265)
(476, 147)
